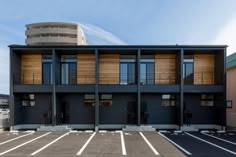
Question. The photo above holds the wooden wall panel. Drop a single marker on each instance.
(109, 68)
(31, 69)
(204, 68)
(86, 68)
(165, 68)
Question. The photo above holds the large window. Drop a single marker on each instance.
(68, 69)
(47, 69)
(147, 70)
(207, 100)
(106, 100)
(28, 100)
(89, 100)
(127, 70)
(188, 69)
(168, 100)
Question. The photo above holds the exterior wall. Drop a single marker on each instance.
(31, 68)
(78, 112)
(109, 68)
(86, 69)
(158, 114)
(231, 90)
(118, 112)
(204, 68)
(34, 114)
(200, 114)
(165, 68)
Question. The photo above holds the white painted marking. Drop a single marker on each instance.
(123, 143)
(149, 144)
(177, 131)
(9, 150)
(39, 150)
(73, 131)
(205, 131)
(118, 131)
(29, 131)
(220, 139)
(163, 131)
(86, 143)
(88, 131)
(102, 131)
(220, 131)
(178, 146)
(14, 131)
(15, 138)
(227, 150)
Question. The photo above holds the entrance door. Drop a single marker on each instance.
(64, 114)
(132, 113)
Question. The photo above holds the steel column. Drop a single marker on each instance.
(54, 103)
(181, 88)
(96, 90)
(138, 89)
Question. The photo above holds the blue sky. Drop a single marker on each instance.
(123, 22)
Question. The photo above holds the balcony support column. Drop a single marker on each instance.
(181, 88)
(138, 88)
(54, 103)
(96, 125)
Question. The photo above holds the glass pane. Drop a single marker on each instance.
(123, 73)
(166, 96)
(150, 73)
(131, 73)
(73, 73)
(47, 73)
(188, 73)
(143, 73)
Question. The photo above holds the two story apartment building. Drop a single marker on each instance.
(111, 87)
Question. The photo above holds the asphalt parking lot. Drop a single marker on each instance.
(86, 144)
(199, 144)
(117, 143)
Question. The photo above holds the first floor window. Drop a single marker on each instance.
(229, 104)
(207, 100)
(28, 100)
(106, 100)
(89, 100)
(168, 100)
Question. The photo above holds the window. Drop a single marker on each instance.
(147, 70)
(168, 100)
(127, 70)
(3, 101)
(106, 100)
(47, 69)
(89, 100)
(68, 69)
(188, 69)
(229, 104)
(28, 100)
(207, 100)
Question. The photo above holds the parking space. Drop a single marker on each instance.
(199, 144)
(5, 136)
(103, 143)
(229, 136)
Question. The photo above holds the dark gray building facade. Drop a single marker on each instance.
(111, 87)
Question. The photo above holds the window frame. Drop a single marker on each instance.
(231, 104)
(207, 100)
(28, 100)
(170, 100)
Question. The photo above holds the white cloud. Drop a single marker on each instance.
(97, 36)
(4, 70)
(227, 36)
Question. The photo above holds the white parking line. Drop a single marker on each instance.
(227, 150)
(178, 146)
(15, 138)
(9, 150)
(122, 143)
(219, 138)
(86, 143)
(39, 150)
(149, 144)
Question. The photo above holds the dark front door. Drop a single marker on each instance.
(64, 114)
(132, 113)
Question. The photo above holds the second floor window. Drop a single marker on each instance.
(127, 70)
(188, 69)
(147, 70)
(47, 69)
(68, 70)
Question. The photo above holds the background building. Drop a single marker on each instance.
(4, 111)
(231, 91)
(54, 33)
(102, 87)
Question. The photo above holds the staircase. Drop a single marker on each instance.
(54, 128)
(138, 128)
